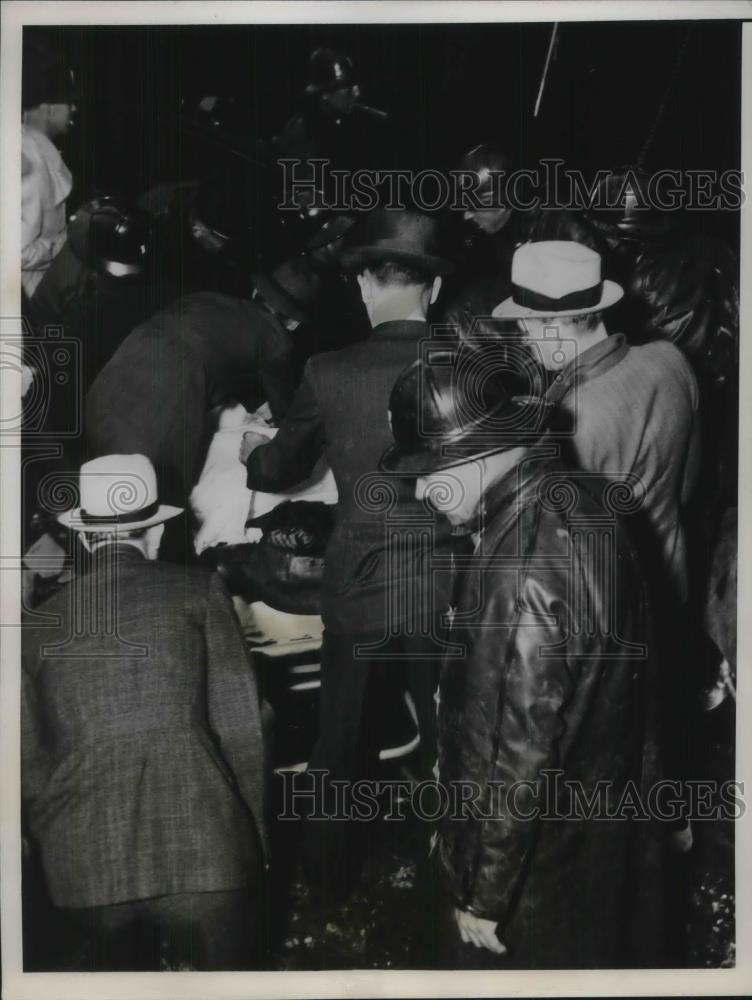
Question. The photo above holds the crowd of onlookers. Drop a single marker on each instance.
(531, 421)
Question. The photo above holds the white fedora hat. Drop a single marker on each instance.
(557, 278)
(118, 492)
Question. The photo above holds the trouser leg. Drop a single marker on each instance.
(339, 754)
(207, 931)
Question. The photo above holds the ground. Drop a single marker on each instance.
(376, 926)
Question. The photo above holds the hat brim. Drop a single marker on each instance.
(72, 519)
(327, 88)
(472, 447)
(356, 258)
(277, 297)
(77, 237)
(331, 232)
(509, 309)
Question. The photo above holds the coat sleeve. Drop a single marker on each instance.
(36, 250)
(233, 702)
(277, 378)
(291, 455)
(528, 723)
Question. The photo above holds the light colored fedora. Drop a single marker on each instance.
(557, 278)
(118, 492)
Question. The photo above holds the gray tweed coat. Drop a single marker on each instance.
(142, 754)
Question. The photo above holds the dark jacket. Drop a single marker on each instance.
(142, 756)
(155, 394)
(555, 675)
(341, 410)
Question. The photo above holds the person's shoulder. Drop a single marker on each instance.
(335, 361)
(29, 143)
(181, 577)
(664, 359)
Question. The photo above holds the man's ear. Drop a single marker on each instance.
(435, 289)
(366, 287)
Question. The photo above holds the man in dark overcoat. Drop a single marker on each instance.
(204, 351)
(380, 602)
(547, 711)
(142, 753)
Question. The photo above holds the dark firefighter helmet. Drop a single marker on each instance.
(110, 236)
(622, 207)
(329, 70)
(484, 161)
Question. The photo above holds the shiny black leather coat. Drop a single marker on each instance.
(556, 675)
(686, 291)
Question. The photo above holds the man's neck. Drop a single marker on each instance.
(591, 338)
(397, 309)
(35, 122)
(119, 543)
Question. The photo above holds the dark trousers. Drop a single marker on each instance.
(346, 746)
(208, 931)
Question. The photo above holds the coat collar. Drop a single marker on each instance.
(598, 359)
(401, 328)
(118, 553)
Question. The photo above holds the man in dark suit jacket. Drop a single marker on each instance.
(142, 754)
(379, 599)
(206, 350)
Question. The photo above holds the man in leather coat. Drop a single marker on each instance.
(539, 705)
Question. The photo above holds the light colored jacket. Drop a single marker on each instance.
(45, 184)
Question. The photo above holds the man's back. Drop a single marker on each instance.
(129, 792)
(352, 388)
(638, 416)
(154, 394)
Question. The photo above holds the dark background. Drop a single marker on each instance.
(447, 87)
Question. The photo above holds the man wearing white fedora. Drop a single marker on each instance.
(629, 411)
(142, 754)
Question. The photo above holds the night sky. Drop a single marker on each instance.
(446, 86)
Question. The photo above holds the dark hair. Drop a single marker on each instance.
(585, 322)
(389, 272)
(95, 537)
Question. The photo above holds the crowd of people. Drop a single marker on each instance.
(530, 418)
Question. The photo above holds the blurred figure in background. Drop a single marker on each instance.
(49, 102)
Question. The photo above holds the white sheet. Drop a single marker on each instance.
(222, 503)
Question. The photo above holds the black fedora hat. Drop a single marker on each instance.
(452, 407)
(400, 235)
(292, 288)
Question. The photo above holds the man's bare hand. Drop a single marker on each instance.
(478, 931)
(251, 441)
